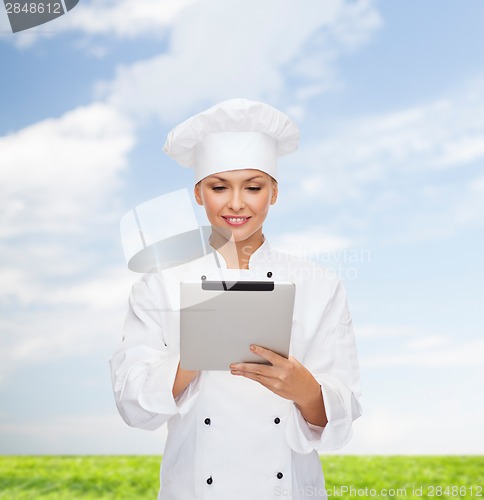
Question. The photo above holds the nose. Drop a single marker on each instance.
(236, 202)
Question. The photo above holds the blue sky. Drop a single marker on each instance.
(387, 187)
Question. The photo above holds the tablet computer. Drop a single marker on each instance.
(219, 320)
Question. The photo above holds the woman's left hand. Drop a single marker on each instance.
(287, 378)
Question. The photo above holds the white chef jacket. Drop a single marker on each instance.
(230, 437)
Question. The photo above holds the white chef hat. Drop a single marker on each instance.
(233, 135)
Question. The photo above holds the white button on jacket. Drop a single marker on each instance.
(229, 437)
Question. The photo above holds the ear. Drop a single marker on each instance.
(196, 192)
(275, 192)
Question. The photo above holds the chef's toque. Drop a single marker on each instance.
(233, 135)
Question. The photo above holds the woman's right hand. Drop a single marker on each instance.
(182, 379)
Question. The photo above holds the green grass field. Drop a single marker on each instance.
(136, 477)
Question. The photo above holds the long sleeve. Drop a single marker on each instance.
(143, 369)
(331, 357)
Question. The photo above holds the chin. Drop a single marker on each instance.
(225, 232)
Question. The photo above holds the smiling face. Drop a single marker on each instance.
(237, 203)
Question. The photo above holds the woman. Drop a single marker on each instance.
(253, 432)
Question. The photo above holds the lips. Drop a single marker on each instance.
(235, 221)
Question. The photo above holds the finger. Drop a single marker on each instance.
(269, 383)
(254, 368)
(271, 356)
(257, 377)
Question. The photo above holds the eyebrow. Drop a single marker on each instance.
(246, 180)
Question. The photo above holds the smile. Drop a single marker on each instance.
(236, 221)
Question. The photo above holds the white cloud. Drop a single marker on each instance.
(124, 18)
(395, 346)
(463, 150)
(242, 48)
(60, 171)
(445, 429)
(27, 287)
(404, 177)
(115, 18)
(429, 342)
(380, 431)
(427, 353)
(386, 331)
(82, 434)
(59, 180)
(52, 321)
(315, 242)
(477, 185)
(224, 31)
(371, 150)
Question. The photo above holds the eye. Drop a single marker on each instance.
(254, 188)
(218, 188)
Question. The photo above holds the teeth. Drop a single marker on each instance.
(236, 220)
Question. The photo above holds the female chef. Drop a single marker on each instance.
(252, 432)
